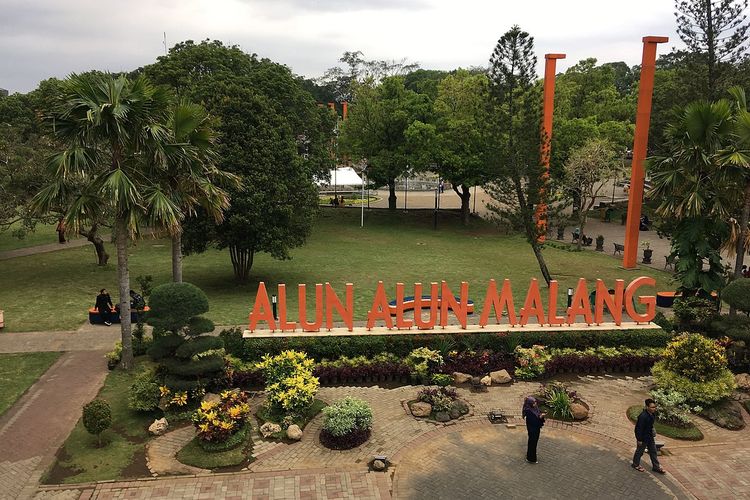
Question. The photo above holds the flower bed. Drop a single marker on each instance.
(559, 403)
(347, 424)
(440, 404)
(594, 360)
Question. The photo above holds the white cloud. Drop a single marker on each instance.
(52, 38)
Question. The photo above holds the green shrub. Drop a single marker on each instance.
(558, 399)
(97, 417)
(672, 407)
(694, 313)
(320, 348)
(442, 379)
(737, 294)
(290, 384)
(664, 322)
(530, 362)
(144, 393)
(165, 346)
(735, 327)
(346, 416)
(198, 345)
(423, 362)
(174, 305)
(703, 393)
(696, 357)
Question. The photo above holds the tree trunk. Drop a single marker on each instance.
(123, 276)
(177, 257)
(742, 237)
(242, 262)
(392, 194)
(465, 195)
(581, 223)
(102, 257)
(711, 42)
(531, 233)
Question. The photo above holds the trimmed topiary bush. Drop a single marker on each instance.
(347, 424)
(174, 305)
(737, 294)
(97, 417)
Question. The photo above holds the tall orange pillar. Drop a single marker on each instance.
(550, 62)
(346, 109)
(640, 147)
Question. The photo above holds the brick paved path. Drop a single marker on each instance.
(38, 424)
(488, 461)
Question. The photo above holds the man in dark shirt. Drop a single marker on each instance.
(104, 306)
(644, 435)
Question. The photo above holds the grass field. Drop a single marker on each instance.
(397, 247)
(19, 371)
(123, 445)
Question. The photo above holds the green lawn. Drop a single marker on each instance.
(43, 234)
(123, 452)
(398, 247)
(19, 371)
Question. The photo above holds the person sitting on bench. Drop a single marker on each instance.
(104, 306)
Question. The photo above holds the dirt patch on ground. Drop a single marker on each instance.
(57, 474)
(137, 467)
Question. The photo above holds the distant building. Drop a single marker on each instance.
(3, 93)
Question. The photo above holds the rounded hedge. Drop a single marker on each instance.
(173, 305)
(704, 393)
(695, 357)
(97, 417)
(737, 294)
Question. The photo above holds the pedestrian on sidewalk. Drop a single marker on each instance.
(644, 436)
(534, 423)
(60, 231)
(104, 306)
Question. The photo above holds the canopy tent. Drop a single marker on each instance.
(344, 176)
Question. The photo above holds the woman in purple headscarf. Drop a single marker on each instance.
(534, 423)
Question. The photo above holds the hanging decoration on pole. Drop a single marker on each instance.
(640, 149)
(550, 63)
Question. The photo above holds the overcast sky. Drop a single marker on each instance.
(44, 38)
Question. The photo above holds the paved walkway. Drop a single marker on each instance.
(49, 247)
(37, 425)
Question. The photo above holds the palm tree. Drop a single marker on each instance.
(191, 176)
(114, 131)
(737, 157)
(695, 188)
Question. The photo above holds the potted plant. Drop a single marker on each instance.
(647, 252)
(600, 243)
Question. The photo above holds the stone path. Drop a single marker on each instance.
(161, 451)
(50, 247)
(488, 461)
(86, 338)
(37, 425)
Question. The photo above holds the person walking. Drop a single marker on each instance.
(104, 306)
(644, 436)
(534, 423)
(60, 231)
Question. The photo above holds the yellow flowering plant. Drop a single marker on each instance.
(530, 362)
(695, 357)
(217, 421)
(290, 384)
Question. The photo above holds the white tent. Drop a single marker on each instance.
(344, 176)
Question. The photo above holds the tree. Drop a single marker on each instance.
(376, 129)
(716, 29)
(191, 176)
(273, 137)
(586, 172)
(97, 418)
(515, 146)
(695, 189)
(457, 141)
(737, 158)
(113, 131)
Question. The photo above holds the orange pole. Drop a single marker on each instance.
(640, 149)
(550, 62)
(346, 109)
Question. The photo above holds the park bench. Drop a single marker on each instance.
(96, 319)
(618, 248)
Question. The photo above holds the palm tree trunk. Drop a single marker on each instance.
(123, 277)
(242, 261)
(741, 248)
(177, 257)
